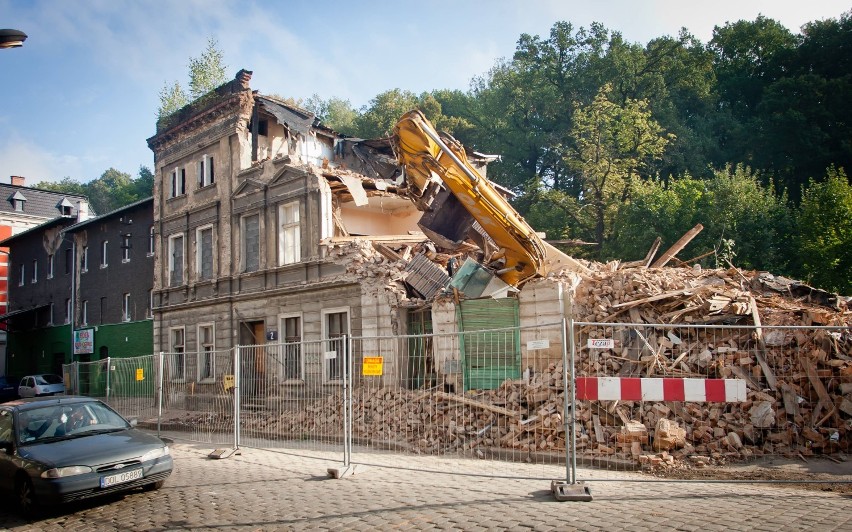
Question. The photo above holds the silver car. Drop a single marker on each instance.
(41, 385)
(55, 450)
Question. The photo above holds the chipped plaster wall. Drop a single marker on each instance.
(359, 221)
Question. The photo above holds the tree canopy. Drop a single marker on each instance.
(614, 143)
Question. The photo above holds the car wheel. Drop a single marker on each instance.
(154, 486)
(25, 496)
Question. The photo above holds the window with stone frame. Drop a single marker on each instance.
(335, 331)
(177, 182)
(204, 252)
(177, 354)
(206, 352)
(176, 260)
(291, 335)
(250, 229)
(289, 234)
(206, 174)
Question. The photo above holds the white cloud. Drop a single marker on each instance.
(36, 163)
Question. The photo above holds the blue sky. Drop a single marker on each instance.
(81, 95)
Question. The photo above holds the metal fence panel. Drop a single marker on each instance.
(439, 406)
(198, 395)
(292, 396)
(666, 397)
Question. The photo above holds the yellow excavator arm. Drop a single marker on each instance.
(426, 155)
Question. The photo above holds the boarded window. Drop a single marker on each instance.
(204, 259)
(251, 243)
(176, 260)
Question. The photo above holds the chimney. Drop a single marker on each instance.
(82, 211)
(18, 180)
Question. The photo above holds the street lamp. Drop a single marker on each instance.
(12, 38)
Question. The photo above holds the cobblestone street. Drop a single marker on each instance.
(272, 490)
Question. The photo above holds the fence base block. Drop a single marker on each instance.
(337, 473)
(565, 491)
(223, 453)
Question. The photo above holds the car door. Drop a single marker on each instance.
(7, 438)
(27, 387)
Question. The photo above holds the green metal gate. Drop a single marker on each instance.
(491, 356)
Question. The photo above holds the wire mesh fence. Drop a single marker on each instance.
(617, 395)
(657, 396)
(495, 396)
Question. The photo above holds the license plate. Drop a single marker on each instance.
(121, 478)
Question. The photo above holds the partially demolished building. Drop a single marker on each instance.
(270, 227)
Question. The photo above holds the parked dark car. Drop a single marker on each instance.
(55, 450)
(8, 389)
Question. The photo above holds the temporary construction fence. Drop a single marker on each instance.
(644, 396)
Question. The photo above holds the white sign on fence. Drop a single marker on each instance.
(601, 343)
(533, 345)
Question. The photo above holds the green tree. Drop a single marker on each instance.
(110, 191)
(336, 113)
(206, 72)
(740, 215)
(824, 242)
(172, 98)
(612, 145)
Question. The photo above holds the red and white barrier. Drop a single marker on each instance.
(639, 389)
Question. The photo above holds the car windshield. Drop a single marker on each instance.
(65, 421)
(48, 379)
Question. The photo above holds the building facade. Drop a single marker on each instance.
(23, 208)
(81, 289)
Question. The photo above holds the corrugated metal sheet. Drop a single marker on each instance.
(425, 276)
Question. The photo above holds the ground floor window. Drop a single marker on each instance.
(206, 353)
(291, 348)
(177, 354)
(335, 333)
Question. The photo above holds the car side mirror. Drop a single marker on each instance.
(133, 422)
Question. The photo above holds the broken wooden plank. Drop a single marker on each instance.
(479, 404)
(653, 251)
(651, 299)
(761, 347)
(815, 381)
(791, 402)
(599, 433)
(679, 245)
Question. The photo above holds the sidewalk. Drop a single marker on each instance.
(273, 490)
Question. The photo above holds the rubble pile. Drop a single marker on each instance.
(799, 399)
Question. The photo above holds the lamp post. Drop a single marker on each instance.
(12, 38)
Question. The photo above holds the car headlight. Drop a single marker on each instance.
(156, 453)
(70, 471)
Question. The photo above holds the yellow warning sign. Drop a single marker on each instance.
(140, 374)
(373, 366)
(228, 382)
